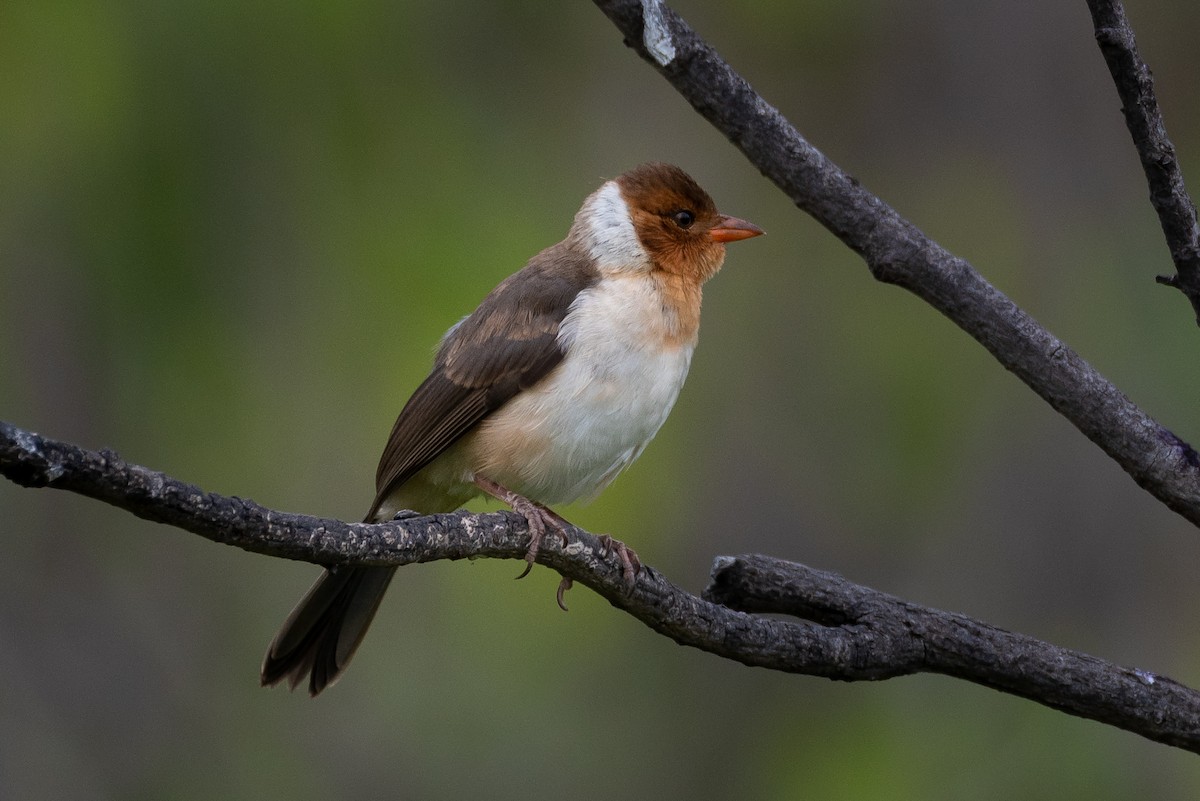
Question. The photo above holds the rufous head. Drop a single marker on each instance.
(677, 222)
(656, 217)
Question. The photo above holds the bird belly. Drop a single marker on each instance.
(570, 434)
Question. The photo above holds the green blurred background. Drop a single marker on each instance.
(231, 234)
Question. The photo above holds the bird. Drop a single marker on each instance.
(552, 386)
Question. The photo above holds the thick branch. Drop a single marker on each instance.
(942, 642)
(1135, 85)
(845, 632)
(897, 252)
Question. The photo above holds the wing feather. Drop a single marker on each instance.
(507, 344)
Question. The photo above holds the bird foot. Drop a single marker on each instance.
(631, 565)
(536, 515)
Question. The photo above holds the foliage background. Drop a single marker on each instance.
(230, 235)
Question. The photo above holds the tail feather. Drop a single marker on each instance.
(324, 630)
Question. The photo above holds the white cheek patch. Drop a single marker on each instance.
(608, 232)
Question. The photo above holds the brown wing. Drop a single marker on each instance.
(507, 344)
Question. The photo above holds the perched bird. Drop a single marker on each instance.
(542, 395)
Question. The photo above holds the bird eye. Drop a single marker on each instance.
(683, 218)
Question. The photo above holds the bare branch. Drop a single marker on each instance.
(897, 252)
(942, 642)
(845, 632)
(1135, 85)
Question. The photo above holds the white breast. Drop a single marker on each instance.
(590, 418)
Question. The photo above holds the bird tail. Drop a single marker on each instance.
(324, 630)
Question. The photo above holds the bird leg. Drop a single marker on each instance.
(539, 517)
(535, 514)
(631, 565)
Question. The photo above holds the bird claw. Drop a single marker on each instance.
(538, 518)
(536, 515)
(631, 565)
(563, 586)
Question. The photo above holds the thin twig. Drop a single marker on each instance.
(1135, 85)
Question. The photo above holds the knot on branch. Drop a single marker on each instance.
(24, 459)
(861, 631)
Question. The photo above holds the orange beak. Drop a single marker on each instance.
(731, 229)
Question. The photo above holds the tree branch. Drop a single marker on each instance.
(887, 631)
(1135, 85)
(845, 631)
(897, 252)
